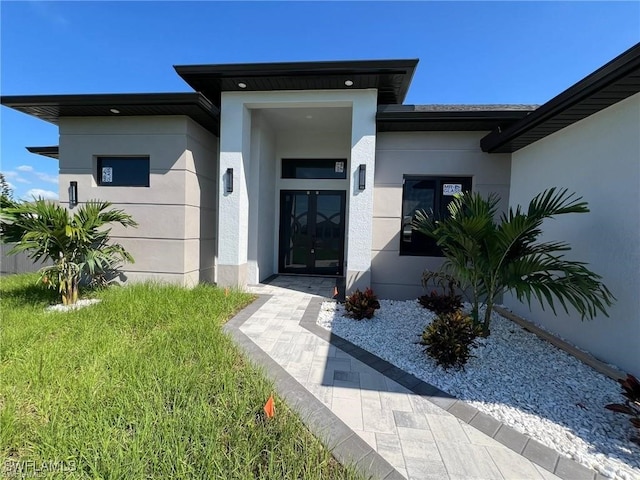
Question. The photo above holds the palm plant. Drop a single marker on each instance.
(490, 258)
(77, 243)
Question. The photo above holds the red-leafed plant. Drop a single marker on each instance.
(443, 300)
(361, 305)
(631, 390)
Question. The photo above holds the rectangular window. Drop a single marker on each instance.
(432, 195)
(123, 172)
(314, 168)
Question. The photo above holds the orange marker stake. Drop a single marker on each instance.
(269, 407)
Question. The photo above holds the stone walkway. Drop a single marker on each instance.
(387, 423)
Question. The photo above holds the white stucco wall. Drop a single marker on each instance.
(422, 153)
(599, 158)
(262, 207)
(236, 144)
(360, 203)
(166, 245)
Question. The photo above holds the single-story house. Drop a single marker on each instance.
(317, 168)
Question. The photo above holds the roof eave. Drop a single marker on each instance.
(613, 71)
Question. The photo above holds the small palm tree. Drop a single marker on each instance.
(77, 243)
(490, 258)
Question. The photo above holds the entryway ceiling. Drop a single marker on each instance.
(329, 118)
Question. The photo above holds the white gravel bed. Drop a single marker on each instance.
(67, 308)
(515, 377)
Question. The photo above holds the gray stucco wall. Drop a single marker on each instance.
(167, 245)
(422, 153)
(599, 158)
(201, 208)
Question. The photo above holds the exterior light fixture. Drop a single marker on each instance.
(242, 85)
(349, 83)
(114, 110)
(362, 177)
(229, 180)
(73, 194)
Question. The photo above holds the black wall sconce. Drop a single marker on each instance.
(362, 177)
(73, 194)
(229, 180)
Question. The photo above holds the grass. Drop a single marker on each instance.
(141, 385)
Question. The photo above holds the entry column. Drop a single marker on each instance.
(360, 222)
(233, 195)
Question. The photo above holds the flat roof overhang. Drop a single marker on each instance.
(613, 82)
(391, 77)
(52, 151)
(420, 118)
(53, 107)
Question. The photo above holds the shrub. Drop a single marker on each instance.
(631, 406)
(361, 305)
(449, 339)
(441, 303)
(491, 257)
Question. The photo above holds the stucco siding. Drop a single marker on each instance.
(172, 224)
(422, 153)
(264, 240)
(201, 200)
(599, 158)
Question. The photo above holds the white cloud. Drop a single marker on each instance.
(21, 180)
(25, 168)
(10, 174)
(38, 192)
(11, 186)
(45, 177)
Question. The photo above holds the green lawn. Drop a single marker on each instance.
(141, 385)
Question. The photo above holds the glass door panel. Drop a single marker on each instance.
(295, 239)
(312, 232)
(327, 246)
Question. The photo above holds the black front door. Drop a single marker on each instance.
(312, 232)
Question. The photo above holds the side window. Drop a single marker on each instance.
(431, 194)
(123, 172)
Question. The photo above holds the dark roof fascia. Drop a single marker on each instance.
(216, 73)
(53, 107)
(411, 118)
(50, 151)
(297, 68)
(607, 75)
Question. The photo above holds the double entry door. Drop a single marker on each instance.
(312, 232)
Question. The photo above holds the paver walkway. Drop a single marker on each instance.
(383, 427)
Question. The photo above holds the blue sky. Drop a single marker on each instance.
(470, 52)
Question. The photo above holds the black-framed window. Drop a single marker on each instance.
(322, 168)
(430, 194)
(123, 171)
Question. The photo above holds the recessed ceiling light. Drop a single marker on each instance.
(242, 85)
(348, 83)
(114, 110)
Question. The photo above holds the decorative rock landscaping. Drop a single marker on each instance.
(515, 377)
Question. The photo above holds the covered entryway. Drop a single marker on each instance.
(312, 226)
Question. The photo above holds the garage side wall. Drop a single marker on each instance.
(599, 159)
